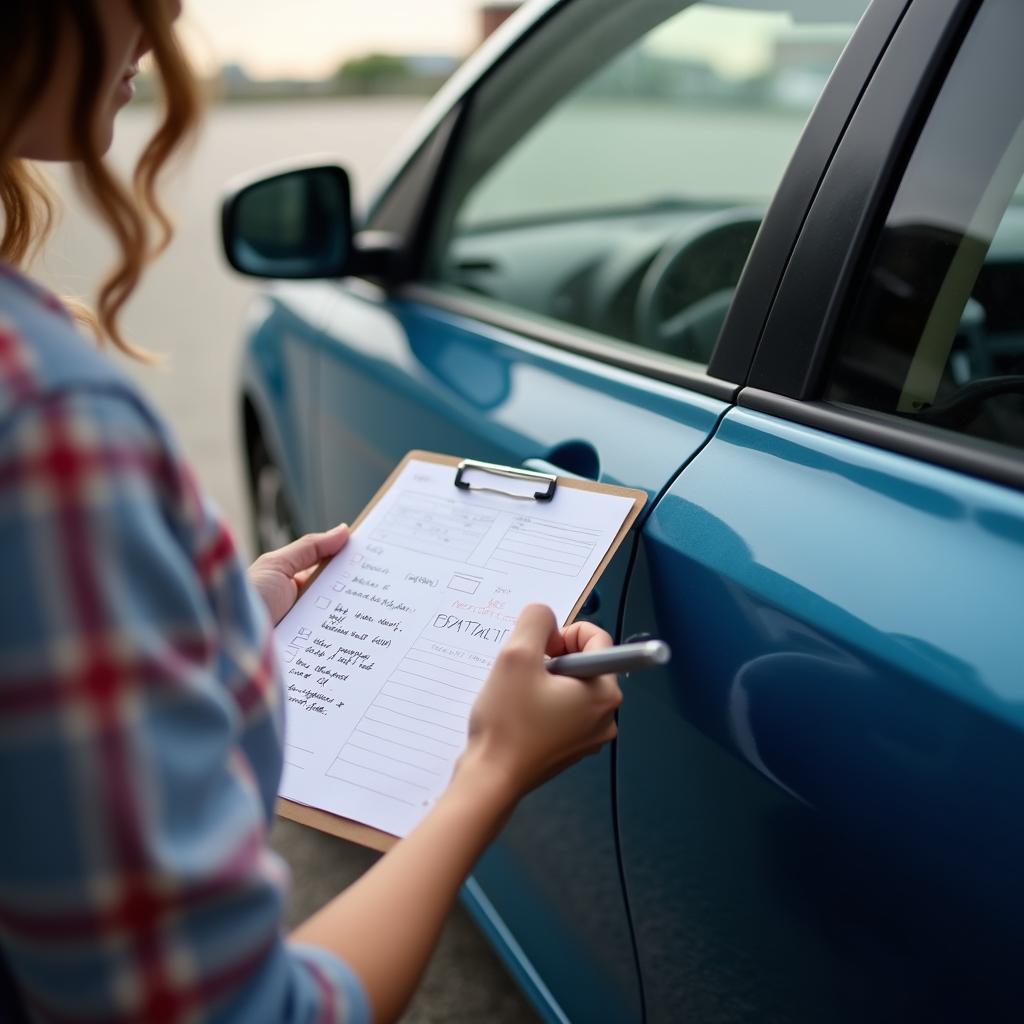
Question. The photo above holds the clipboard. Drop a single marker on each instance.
(544, 486)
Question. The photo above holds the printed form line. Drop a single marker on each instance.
(483, 507)
(398, 760)
(422, 721)
(524, 531)
(415, 732)
(445, 644)
(430, 693)
(427, 707)
(465, 689)
(554, 572)
(444, 668)
(370, 789)
(395, 743)
(509, 550)
(560, 549)
(395, 778)
(464, 662)
(548, 529)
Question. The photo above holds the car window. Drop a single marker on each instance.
(936, 331)
(615, 170)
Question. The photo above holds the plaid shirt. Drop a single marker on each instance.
(140, 718)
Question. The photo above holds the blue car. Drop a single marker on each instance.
(765, 260)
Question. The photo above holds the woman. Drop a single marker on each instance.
(140, 716)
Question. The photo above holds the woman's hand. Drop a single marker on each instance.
(279, 575)
(527, 724)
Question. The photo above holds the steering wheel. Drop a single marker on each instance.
(960, 408)
(686, 291)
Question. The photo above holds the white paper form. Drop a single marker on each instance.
(385, 653)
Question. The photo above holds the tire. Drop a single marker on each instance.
(273, 524)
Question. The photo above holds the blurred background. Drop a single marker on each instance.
(344, 78)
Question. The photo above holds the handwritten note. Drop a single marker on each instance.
(385, 653)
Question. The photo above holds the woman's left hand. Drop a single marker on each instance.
(279, 576)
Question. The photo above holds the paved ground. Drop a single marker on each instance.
(192, 309)
(465, 983)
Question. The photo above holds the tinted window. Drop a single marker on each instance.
(937, 331)
(615, 171)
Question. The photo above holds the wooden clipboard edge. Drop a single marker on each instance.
(335, 825)
(365, 835)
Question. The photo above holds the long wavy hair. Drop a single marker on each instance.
(131, 210)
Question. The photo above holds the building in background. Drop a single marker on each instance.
(493, 15)
(802, 64)
(432, 65)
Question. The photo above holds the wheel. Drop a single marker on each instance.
(273, 524)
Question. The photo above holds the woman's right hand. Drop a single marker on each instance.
(527, 724)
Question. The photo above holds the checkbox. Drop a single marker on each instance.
(288, 656)
(323, 602)
(339, 586)
(307, 633)
(297, 641)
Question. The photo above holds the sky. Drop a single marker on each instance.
(309, 38)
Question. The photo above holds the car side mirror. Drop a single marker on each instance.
(296, 224)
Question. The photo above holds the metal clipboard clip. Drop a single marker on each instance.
(549, 479)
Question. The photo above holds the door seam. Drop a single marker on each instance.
(614, 759)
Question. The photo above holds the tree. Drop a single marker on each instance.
(373, 73)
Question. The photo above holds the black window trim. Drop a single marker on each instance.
(842, 225)
(960, 452)
(789, 366)
(734, 355)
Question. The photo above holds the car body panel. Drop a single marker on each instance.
(813, 813)
(450, 382)
(518, 963)
(453, 385)
(820, 799)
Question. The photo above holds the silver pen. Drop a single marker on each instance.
(624, 658)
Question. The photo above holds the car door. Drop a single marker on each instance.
(570, 235)
(819, 802)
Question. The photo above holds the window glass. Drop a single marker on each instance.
(936, 333)
(614, 172)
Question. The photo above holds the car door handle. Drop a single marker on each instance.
(577, 459)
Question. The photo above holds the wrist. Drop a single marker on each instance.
(482, 779)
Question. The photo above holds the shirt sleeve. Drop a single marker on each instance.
(135, 879)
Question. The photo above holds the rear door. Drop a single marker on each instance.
(583, 218)
(820, 802)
